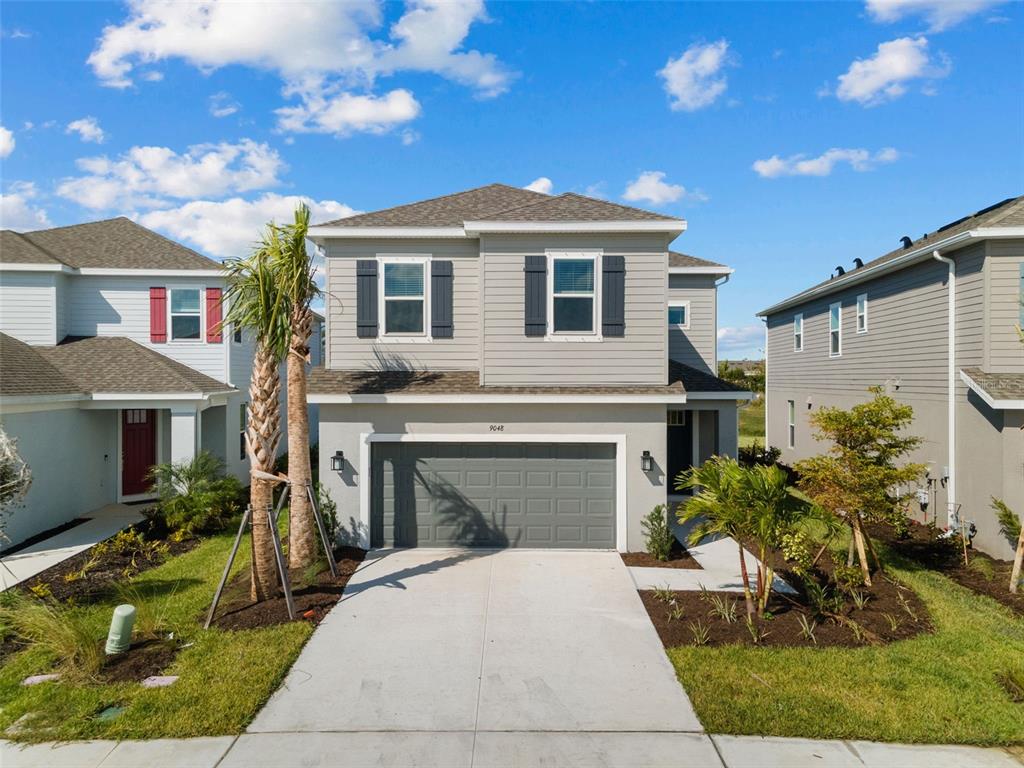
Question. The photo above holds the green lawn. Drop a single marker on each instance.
(937, 688)
(225, 676)
(752, 422)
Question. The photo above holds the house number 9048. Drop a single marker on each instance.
(497, 427)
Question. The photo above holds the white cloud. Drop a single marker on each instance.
(345, 113)
(146, 176)
(326, 53)
(228, 228)
(884, 76)
(7, 142)
(695, 79)
(541, 184)
(651, 187)
(222, 105)
(801, 165)
(746, 337)
(939, 14)
(88, 129)
(17, 210)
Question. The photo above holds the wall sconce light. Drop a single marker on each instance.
(338, 461)
(646, 461)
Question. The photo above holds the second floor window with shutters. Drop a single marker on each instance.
(573, 294)
(186, 314)
(404, 297)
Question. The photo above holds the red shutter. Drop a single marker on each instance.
(158, 315)
(213, 316)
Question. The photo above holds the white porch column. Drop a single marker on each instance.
(728, 431)
(184, 433)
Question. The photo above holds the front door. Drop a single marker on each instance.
(680, 445)
(138, 449)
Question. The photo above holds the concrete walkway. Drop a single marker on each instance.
(497, 750)
(99, 525)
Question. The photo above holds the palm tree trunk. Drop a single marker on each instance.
(262, 437)
(302, 549)
(1018, 558)
(746, 583)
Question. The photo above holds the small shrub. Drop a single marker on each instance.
(195, 496)
(328, 511)
(658, 533)
(797, 551)
(675, 613)
(1009, 523)
(66, 634)
(823, 600)
(664, 594)
(127, 543)
(42, 591)
(757, 633)
(705, 594)
(701, 632)
(757, 454)
(894, 622)
(723, 608)
(906, 606)
(857, 630)
(848, 578)
(860, 599)
(151, 611)
(807, 627)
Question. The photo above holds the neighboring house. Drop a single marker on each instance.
(936, 323)
(112, 359)
(508, 368)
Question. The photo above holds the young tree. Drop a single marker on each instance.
(1011, 527)
(857, 479)
(293, 265)
(256, 304)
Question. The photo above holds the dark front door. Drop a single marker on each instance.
(138, 449)
(680, 445)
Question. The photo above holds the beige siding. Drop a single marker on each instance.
(346, 351)
(510, 357)
(695, 346)
(1005, 351)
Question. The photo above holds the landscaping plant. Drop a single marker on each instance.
(658, 533)
(194, 495)
(854, 480)
(66, 634)
(15, 478)
(1010, 526)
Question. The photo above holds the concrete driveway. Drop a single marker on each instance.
(470, 656)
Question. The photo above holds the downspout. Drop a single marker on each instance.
(951, 515)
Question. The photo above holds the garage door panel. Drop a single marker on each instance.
(498, 494)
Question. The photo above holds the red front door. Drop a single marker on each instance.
(138, 449)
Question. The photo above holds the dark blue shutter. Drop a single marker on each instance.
(441, 299)
(366, 299)
(613, 296)
(536, 303)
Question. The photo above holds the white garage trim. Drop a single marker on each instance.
(367, 439)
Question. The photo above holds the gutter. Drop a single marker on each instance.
(952, 517)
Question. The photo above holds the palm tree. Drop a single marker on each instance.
(294, 268)
(718, 507)
(256, 304)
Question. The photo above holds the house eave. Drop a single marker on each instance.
(992, 402)
(321, 233)
(475, 228)
(533, 399)
(700, 270)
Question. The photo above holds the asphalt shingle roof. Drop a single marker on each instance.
(682, 379)
(108, 364)
(999, 386)
(498, 202)
(110, 244)
(1007, 213)
(676, 259)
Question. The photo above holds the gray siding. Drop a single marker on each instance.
(696, 346)
(1005, 352)
(510, 357)
(346, 351)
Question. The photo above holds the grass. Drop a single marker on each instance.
(752, 422)
(225, 677)
(935, 688)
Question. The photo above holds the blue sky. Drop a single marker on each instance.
(791, 136)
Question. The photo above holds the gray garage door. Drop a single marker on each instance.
(493, 495)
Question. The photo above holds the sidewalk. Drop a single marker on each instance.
(453, 749)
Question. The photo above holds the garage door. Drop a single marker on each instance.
(493, 495)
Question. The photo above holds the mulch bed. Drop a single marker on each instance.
(312, 601)
(60, 580)
(678, 557)
(986, 575)
(141, 660)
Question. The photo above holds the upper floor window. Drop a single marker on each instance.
(573, 294)
(186, 314)
(679, 314)
(835, 330)
(236, 336)
(404, 296)
(798, 332)
(862, 313)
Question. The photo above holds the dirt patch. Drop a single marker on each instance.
(141, 660)
(312, 600)
(678, 557)
(985, 575)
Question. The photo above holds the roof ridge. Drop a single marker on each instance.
(81, 224)
(617, 205)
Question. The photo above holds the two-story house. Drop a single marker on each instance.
(113, 359)
(936, 322)
(508, 368)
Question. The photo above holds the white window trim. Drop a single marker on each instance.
(833, 305)
(406, 338)
(596, 334)
(202, 314)
(791, 423)
(798, 322)
(862, 297)
(686, 306)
